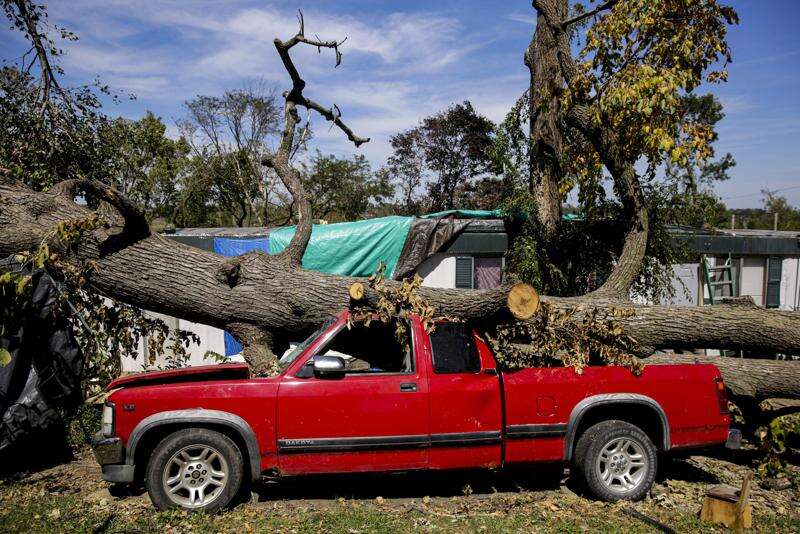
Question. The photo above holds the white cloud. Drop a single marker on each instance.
(734, 104)
(524, 18)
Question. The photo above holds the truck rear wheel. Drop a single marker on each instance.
(616, 460)
(195, 469)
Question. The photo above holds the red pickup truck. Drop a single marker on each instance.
(363, 399)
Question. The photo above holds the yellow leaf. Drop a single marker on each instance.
(5, 357)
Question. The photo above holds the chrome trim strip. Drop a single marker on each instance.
(367, 443)
(536, 431)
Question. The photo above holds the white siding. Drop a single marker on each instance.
(752, 278)
(211, 339)
(438, 271)
(790, 286)
(685, 283)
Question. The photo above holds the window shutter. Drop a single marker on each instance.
(464, 272)
(773, 299)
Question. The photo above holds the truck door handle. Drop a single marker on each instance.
(408, 386)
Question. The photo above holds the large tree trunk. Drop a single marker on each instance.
(748, 380)
(545, 143)
(274, 294)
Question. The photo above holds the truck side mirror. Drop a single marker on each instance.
(328, 366)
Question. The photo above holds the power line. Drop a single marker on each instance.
(760, 193)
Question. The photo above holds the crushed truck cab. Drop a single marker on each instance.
(378, 398)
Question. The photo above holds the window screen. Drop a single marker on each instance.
(773, 299)
(454, 349)
(464, 270)
(488, 273)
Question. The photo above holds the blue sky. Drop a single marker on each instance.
(406, 60)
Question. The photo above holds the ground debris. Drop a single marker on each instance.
(509, 501)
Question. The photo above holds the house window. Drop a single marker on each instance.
(488, 273)
(478, 273)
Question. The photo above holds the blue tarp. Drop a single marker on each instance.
(236, 247)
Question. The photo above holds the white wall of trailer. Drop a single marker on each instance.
(790, 284)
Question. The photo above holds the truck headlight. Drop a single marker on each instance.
(107, 421)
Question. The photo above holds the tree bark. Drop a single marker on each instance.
(748, 380)
(545, 146)
(276, 295)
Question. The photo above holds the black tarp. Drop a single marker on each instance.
(425, 238)
(40, 387)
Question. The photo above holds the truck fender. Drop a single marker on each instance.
(584, 406)
(199, 416)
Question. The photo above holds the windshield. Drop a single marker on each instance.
(289, 357)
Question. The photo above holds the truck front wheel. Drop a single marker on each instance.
(196, 469)
(616, 460)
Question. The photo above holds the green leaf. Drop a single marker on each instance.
(5, 357)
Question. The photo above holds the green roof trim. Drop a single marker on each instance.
(466, 214)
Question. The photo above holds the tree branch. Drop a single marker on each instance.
(583, 16)
(623, 172)
(280, 161)
(134, 224)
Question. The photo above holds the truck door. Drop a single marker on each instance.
(465, 399)
(371, 417)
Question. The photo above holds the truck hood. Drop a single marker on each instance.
(224, 371)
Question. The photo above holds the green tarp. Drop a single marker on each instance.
(350, 248)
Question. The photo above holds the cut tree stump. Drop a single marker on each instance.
(729, 506)
(523, 301)
(356, 291)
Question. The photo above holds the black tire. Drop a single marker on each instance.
(617, 475)
(195, 444)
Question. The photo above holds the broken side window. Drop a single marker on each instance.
(454, 349)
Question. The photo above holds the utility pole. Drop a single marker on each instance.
(775, 223)
(733, 221)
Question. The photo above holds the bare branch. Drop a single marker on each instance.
(583, 16)
(280, 161)
(334, 115)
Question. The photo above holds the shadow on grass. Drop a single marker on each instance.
(34, 454)
(413, 485)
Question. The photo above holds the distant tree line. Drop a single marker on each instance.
(212, 173)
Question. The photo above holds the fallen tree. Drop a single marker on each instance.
(267, 301)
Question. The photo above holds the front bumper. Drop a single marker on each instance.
(110, 454)
(734, 440)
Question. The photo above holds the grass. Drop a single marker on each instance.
(25, 512)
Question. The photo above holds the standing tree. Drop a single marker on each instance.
(405, 168)
(448, 151)
(342, 189)
(147, 166)
(229, 136)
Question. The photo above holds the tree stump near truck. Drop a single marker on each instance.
(729, 506)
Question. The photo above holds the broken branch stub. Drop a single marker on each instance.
(356, 291)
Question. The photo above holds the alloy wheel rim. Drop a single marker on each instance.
(195, 476)
(622, 465)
